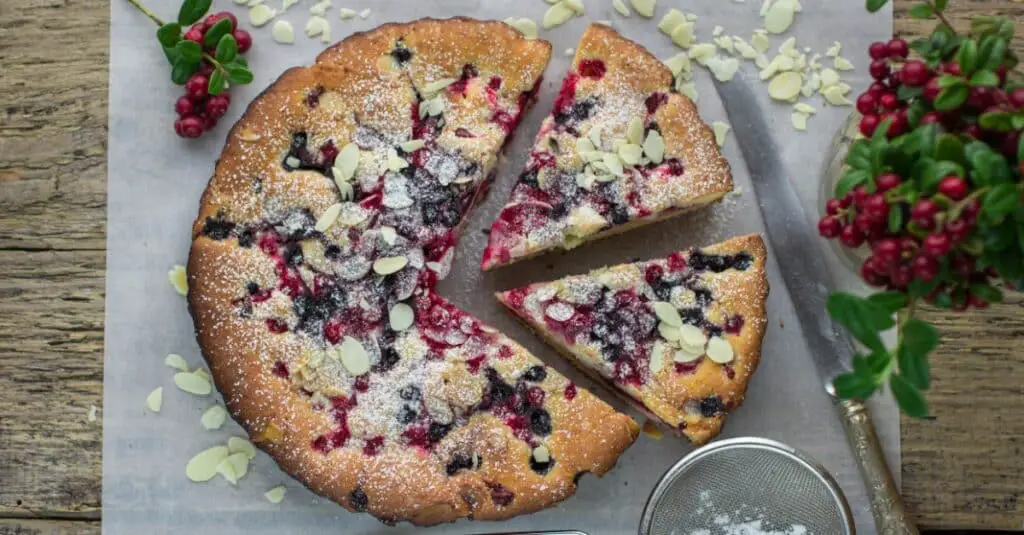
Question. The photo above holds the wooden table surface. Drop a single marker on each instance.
(962, 470)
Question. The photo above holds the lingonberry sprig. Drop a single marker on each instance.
(933, 189)
(206, 58)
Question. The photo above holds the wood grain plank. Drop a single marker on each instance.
(49, 527)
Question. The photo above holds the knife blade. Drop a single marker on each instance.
(807, 280)
(795, 244)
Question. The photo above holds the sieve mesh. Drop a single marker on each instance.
(742, 486)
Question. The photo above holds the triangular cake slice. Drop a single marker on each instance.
(679, 337)
(333, 211)
(620, 150)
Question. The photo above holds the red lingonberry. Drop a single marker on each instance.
(209, 121)
(865, 224)
(184, 106)
(868, 123)
(878, 50)
(951, 68)
(960, 304)
(189, 127)
(1010, 144)
(999, 96)
(925, 267)
(970, 209)
(887, 251)
(851, 236)
(244, 40)
(932, 117)
(1001, 72)
(964, 264)
(860, 194)
(973, 130)
(898, 124)
(908, 245)
(958, 229)
(889, 101)
(847, 200)
(977, 302)
(833, 206)
(886, 182)
(877, 88)
(1016, 98)
(894, 80)
(879, 69)
(937, 244)
(874, 264)
(870, 276)
(216, 17)
(901, 276)
(898, 48)
(915, 73)
(953, 187)
(978, 98)
(196, 87)
(194, 33)
(217, 105)
(867, 102)
(876, 207)
(932, 89)
(923, 213)
(829, 226)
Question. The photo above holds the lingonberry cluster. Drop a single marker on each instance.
(931, 193)
(204, 59)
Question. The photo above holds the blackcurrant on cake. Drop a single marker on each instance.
(332, 213)
(679, 337)
(619, 150)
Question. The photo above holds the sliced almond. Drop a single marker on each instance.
(203, 466)
(786, 86)
(525, 26)
(798, 120)
(201, 373)
(721, 130)
(723, 68)
(177, 362)
(541, 454)
(678, 64)
(317, 9)
(667, 313)
(193, 384)
(328, 218)
(576, 6)
(389, 235)
(668, 332)
(683, 356)
(345, 13)
(833, 51)
(241, 445)
(401, 317)
(657, 360)
(213, 418)
(584, 145)
(557, 15)
(654, 147)
(779, 17)
(613, 163)
(276, 494)
(671, 20)
(620, 6)
(804, 108)
(760, 41)
(260, 15)
(635, 131)
(354, 357)
(744, 48)
(690, 90)
(719, 350)
(234, 467)
(317, 25)
(702, 52)
(155, 399)
(682, 35)
(435, 87)
(389, 264)
(842, 64)
(412, 145)
(178, 278)
(631, 154)
(725, 43)
(365, 14)
(836, 96)
(283, 33)
(395, 162)
(644, 7)
(829, 77)
(692, 338)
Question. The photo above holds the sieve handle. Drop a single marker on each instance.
(886, 505)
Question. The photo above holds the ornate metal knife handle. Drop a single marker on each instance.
(886, 505)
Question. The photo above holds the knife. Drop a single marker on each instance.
(807, 278)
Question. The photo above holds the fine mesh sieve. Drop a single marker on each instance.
(746, 485)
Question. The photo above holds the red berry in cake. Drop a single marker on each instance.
(878, 50)
(915, 73)
(592, 68)
(189, 127)
(197, 87)
(897, 48)
(184, 106)
(937, 244)
(953, 187)
(851, 236)
(879, 69)
(829, 226)
(244, 40)
(886, 182)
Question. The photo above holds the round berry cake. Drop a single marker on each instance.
(332, 213)
(620, 150)
(680, 337)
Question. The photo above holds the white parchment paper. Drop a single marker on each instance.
(153, 190)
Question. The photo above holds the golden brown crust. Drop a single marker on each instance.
(617, 82)
(253, 244)
(673, 396)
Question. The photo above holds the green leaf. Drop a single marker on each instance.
(992, 56)
(905, 92)
(967, 56)
(853, 386)
(1020, 149)
(216, 82)
(946, 168)
(917, 340)
(949, 147)
(996, 120)
(951, 97)
(169, 34)
(227, 48)
(875, 5)
(880, 138)
(193, 10)
(924, 171)
(984, 79)
(908, 397)
(920, 288)
(921, 11)
(861, 317)
(999, 239)
(915, 111)
(859, 155)
(1000, 201)
(171, 54)
(212, 36)
(940, 5)
(190, 50)
(987, 292)
(182, 69)
(895, 219)
(889, 301)
(948, 80)
(239, 75)
(851, 180)
(1017, 121)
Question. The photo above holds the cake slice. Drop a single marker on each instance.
(619, 150)
(679, 337)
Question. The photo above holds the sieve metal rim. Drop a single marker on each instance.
(759, 443)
